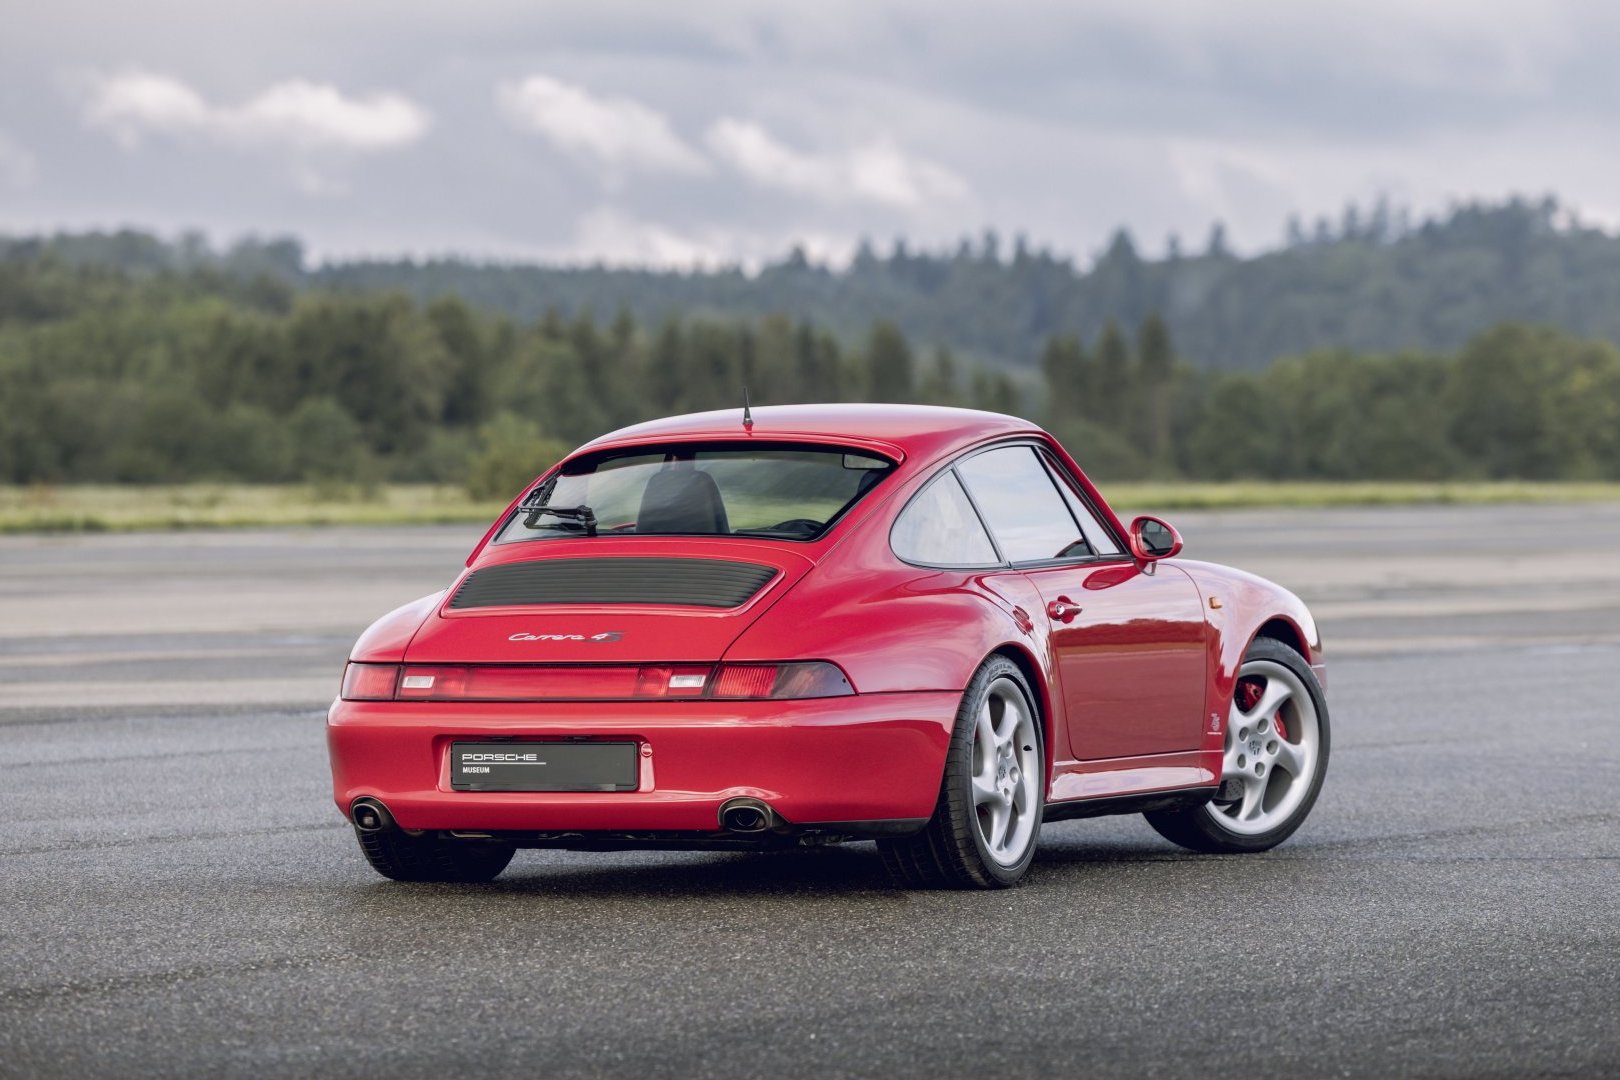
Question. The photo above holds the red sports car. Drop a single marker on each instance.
(812, 624)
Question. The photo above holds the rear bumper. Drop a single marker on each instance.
(867, 758)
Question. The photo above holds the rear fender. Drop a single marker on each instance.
(385, 640)
(895, 628)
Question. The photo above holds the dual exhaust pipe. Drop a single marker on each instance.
(741, 815)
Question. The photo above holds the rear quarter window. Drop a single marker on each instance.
(940, 528)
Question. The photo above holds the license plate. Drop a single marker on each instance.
(543, 766)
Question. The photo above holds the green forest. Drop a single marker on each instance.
(112, 372)
(1375, 280)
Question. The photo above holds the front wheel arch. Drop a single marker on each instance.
(1280, 629)
(1199, 827)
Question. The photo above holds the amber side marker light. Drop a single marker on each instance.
(593, 682)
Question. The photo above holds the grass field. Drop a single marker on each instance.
(106, 508)
(1245, 494)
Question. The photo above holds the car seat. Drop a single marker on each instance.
(682, 500)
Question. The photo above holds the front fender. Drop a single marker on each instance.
(1238, 606)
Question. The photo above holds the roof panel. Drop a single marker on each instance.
(918, 430)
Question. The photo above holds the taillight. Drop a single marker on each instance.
(674, 680)
(369, 682)
(591, 682)
(816, 679)
(745, 681)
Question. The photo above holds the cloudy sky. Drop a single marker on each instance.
(720, 130)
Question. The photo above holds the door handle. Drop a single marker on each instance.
(1063, 609)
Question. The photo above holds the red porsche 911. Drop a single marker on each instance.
(920, 626)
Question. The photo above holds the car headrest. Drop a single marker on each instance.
(682, 500)
(869, 481)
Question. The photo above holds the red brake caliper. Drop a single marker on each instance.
(1248, 696)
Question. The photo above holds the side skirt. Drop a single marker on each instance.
(1150, 774)
(1127, 804)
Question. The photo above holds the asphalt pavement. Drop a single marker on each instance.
(179, 897)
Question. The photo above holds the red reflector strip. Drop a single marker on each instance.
(591, 682)
(519, 683)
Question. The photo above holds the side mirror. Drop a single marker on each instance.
(1152, 539)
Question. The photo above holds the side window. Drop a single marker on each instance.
(1097, 535)
(939, 528)
(1022, 506)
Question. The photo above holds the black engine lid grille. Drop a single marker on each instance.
(690, 582)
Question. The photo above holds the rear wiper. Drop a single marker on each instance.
(582, 515)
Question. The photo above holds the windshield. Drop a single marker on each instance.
(780, 492)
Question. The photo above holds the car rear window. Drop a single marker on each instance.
(771, 491)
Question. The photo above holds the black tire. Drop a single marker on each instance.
(400, 856)
(1216, 827)
(952, 852)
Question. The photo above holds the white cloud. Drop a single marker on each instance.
(876, 172)
(316, 114)
(756, 124)
(18, 168)
(131, 106)
(617, 133)
(297, 114)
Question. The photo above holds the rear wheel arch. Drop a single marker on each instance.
(986, 822)
(1043, 696)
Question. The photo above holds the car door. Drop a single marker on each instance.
(1128, 641)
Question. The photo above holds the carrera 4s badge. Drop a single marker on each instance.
(604, 636)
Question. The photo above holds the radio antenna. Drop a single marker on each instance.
(748, 415)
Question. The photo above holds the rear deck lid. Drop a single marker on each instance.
(607, 601)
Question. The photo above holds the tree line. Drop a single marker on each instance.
(1376, 279)
(201, 374)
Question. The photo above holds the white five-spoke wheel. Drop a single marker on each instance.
(1273, 740)
(993, 793)
(1274, 760)
(1006, 772)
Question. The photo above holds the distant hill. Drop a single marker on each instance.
(1371, 283)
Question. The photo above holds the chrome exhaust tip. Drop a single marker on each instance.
(748, 816)
(370, 816)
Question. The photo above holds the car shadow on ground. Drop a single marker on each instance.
(836, 872)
